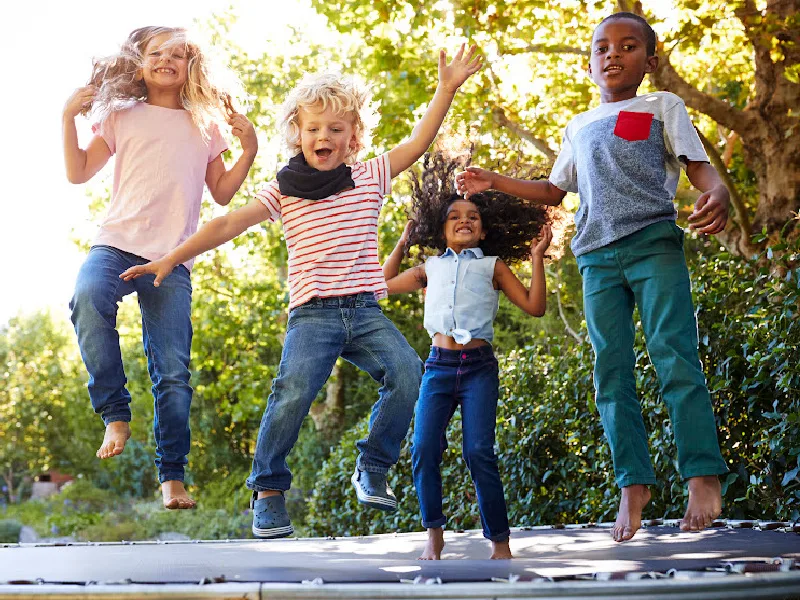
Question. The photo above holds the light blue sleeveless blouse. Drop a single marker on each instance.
(461, 301)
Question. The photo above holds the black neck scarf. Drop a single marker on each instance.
(303, 181)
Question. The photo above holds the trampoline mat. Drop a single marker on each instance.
(539, 553)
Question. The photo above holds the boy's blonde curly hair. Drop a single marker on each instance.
(343, 93)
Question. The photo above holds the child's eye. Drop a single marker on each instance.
(628, 47)
(155, 53)
(600, 49)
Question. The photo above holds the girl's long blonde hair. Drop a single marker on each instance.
(119, 84)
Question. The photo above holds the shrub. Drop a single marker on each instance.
(9, 531)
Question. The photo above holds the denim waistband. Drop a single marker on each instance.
(350, 301)
(476, 354)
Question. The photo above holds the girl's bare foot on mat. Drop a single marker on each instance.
(501, 551)
(175, 496)
(629, 519)
(705, 503)
(434, 545)
(117, 433)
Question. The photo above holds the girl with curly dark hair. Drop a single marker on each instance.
(475, 238)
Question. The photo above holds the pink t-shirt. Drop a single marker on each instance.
(333, 242)
(159, 174)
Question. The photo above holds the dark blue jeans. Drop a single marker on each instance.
(317, 334)
(167, 338)
(468, 378)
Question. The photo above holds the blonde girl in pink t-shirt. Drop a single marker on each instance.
(156, 104)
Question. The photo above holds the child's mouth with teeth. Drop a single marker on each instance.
(323, 153)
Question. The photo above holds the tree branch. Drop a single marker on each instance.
(561, 312)
(502, 119)
(667, 78)
(545, 49)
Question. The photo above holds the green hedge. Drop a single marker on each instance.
(554, 461)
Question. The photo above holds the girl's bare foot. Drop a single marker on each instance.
(501, 551)
(629, 519)
(175, 496)
(117, 433)
(705, 503)
(434, 545)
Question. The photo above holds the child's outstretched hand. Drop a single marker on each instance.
(710, 213)
(540, 245)
(474, 181)
(160, 268)
(243, 129)
(453, 74)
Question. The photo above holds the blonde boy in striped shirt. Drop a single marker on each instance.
(329, 204)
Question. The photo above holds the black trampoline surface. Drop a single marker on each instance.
(540, 553)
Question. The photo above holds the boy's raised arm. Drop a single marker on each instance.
(451, 76)
(475, 180)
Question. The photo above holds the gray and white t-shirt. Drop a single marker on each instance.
(624, 160)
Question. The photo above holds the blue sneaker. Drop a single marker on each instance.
(373, 491)
(270, 519)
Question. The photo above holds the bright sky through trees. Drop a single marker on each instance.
(46, 56)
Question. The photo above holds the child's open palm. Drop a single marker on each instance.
(458, 70)
(160, 268)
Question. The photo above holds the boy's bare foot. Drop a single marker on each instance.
(175, 496)
(705, 503)
(501, 551)
(117, 433)
(629, 519)
(434, 545)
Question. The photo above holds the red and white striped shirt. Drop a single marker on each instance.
(333, 242)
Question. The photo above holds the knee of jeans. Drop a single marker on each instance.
(406, 373)
(478, 454)
(90, 298)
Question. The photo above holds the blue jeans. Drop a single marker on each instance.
(648, 269)
(468, 378)
(317, 334)
(167, 338)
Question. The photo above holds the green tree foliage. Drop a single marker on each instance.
(535, 81)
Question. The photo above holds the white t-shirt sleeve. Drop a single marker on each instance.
(270, 197)
(680, 136)
(564, 175)
(380, 169)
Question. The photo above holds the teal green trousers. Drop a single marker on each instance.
(648, 269)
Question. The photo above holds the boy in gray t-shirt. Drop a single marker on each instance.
(624, 158)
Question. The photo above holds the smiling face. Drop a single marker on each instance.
(619, 59)
(463, 226)
(166, 64)
(326, 137)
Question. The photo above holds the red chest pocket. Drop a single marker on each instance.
(633, 126)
